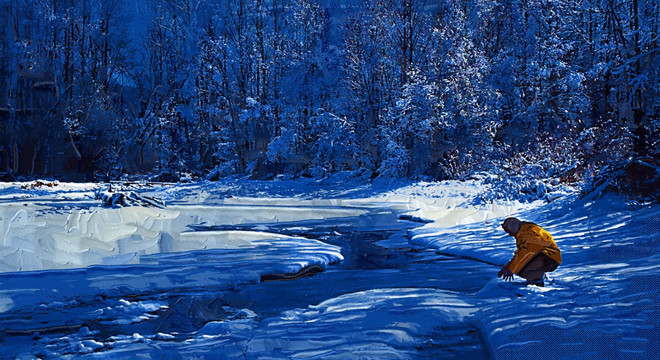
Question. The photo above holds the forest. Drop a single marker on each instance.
(94, 90)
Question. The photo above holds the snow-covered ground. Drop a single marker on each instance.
(189, 280)
(601, 303)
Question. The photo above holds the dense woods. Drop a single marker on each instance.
(93, 90)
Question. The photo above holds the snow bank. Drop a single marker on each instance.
(39, 236)
(374, 324)
(43, 189)
(447, 204)
(601, 303)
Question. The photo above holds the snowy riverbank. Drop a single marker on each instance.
(108, 282)
(601, 303)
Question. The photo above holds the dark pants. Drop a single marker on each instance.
(540, 264)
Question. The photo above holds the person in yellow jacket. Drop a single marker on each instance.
(536, 253)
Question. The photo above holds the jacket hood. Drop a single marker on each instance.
(512, 225)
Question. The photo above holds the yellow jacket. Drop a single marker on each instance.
(531, 240)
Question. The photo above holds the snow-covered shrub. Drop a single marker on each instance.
(636, 179)
(334, 145)
(520, 188)
(409, 130)
(123, 198)
(283, 148)
(394, 164)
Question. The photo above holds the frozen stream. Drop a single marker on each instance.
(295, 270)
(219, 302)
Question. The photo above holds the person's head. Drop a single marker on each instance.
(511, 226)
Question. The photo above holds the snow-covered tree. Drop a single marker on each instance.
(413, 88)
(411, 131)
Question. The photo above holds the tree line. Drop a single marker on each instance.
(421, 89)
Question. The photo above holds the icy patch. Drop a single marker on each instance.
(38, 237)
(233, 239)
(126, 312)
(227, 259)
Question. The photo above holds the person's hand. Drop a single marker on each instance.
(505, 274)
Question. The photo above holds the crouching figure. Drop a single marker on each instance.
(536, 253)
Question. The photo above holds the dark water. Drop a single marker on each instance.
(377, 254)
